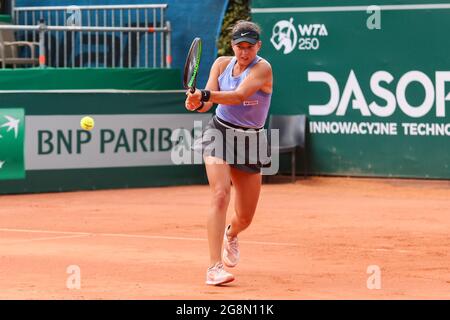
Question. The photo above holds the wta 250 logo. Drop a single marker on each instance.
(306, 36)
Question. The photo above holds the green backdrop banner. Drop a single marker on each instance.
(90, 79)
(374, 82)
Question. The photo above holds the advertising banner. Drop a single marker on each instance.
(374, 82)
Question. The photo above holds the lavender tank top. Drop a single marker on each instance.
(252, 113)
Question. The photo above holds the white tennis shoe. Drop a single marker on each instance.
(217, 275)
(230, 254)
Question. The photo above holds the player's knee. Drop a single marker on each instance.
(221, 197)
(245, 220)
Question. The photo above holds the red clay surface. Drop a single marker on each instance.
(314, 239)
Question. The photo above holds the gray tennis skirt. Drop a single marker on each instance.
(242, 148)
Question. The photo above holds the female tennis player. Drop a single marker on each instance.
(242, 87)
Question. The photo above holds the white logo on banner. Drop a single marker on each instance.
(284, 35)
(305, 36)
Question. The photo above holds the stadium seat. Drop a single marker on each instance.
(292, 130)
(9, 50)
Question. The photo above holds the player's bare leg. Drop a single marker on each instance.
(219, 181)
(220, 185)
(248, 187)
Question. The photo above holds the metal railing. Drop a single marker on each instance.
(116, 36)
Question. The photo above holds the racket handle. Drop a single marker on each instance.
(192, 90)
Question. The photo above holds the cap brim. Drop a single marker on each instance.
(244, 39)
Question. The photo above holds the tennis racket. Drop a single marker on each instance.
(192, 64)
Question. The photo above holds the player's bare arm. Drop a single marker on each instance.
(259, 78)
(218, 66)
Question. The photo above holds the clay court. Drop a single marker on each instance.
(313, 239)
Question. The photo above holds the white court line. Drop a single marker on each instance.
(158, 237)
(122, 235)
(45, 239)
(195, 239)
(43, 231)
(140, 236)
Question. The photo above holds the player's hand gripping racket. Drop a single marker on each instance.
(192, 64)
